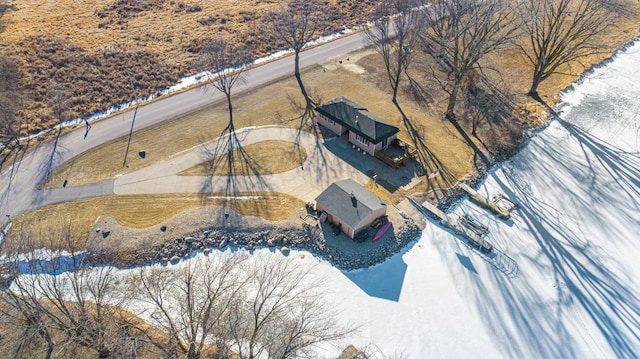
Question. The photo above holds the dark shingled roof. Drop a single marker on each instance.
(337, 200)
(357, 119)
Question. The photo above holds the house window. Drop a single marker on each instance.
(362, 140)
(328, 120)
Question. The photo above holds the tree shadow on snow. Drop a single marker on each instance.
(590, 286)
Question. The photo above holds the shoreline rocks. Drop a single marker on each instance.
(209, 239)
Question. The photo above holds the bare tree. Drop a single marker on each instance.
(459, 33)
(225, 64)
(284, 314)
(210, 307)
(189, 304)
(71, 310)
(296, 24)
(230, 306)
(394, 36)
(561, 32)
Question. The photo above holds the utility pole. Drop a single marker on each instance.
(133, 121)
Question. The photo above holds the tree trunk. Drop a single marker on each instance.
(449, 114)
(394, 98)
(44, 334)
(230, 107)
(533, 91)
(104, 353)
(296, 72)
(191, 352)
(232, 141)
(404, 116)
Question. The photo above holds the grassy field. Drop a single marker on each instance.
(267, 157)
(142, 211)
(85, 47)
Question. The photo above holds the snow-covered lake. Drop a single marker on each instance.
(567, 284)
(564, 282)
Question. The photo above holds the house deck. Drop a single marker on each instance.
(397, 154)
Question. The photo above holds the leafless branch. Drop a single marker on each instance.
(561, 32)
(459, 33)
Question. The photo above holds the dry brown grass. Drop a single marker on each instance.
(265, 106)
(85, 46)
(141, 211)
(267, 157)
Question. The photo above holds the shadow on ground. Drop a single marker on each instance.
(590, 287)
(388, 177)
(384, 280)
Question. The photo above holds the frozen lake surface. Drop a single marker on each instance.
(564, 284)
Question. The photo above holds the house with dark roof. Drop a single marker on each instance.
(349, 206)
(353, 122)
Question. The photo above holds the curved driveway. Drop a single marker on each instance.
(18, 182)
(318, 171)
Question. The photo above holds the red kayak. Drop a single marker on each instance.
(382, 231)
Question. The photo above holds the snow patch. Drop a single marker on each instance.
(234, 197)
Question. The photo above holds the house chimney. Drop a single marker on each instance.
(354, 201)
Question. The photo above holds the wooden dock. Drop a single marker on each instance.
(473, 231)
(434, 210)
(491, 205)
(463, 226)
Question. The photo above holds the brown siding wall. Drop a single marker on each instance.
(328, 123)
(368, 148)
(370, 218)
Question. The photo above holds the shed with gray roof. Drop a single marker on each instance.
(350, 206)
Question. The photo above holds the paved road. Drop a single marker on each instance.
(18, 182)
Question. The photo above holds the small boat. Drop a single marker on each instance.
(382, 231)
